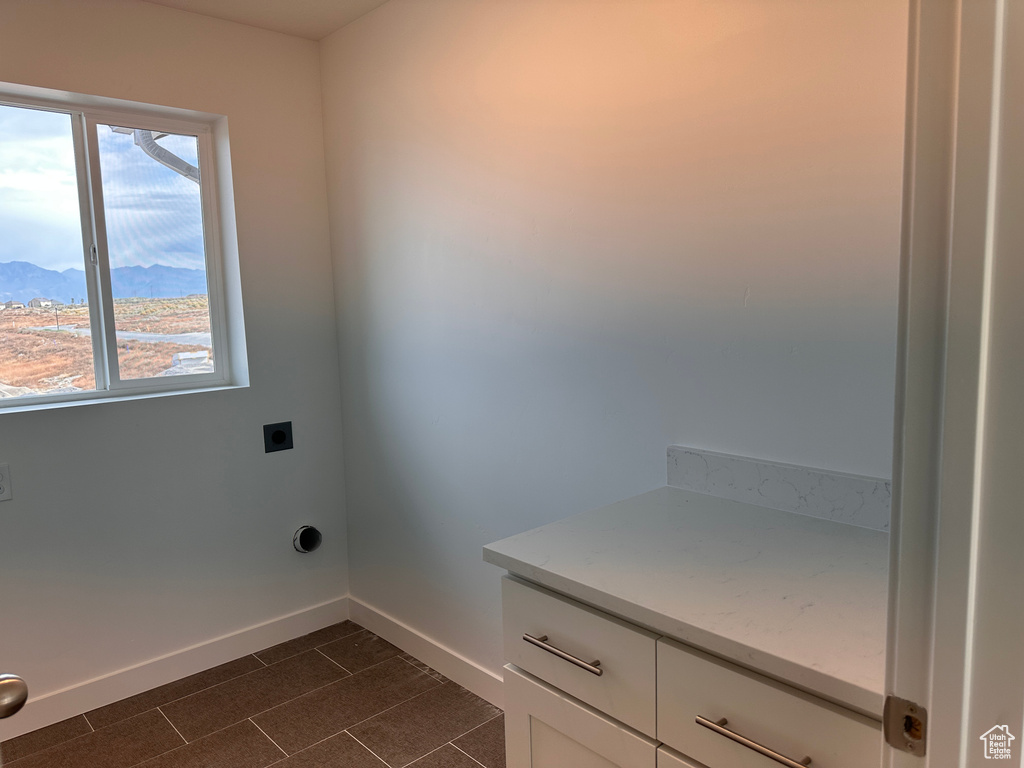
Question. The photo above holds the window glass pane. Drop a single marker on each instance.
(45, 344)
(154, 222)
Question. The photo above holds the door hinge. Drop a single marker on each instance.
(905, 725)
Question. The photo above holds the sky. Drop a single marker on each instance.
(153, 214)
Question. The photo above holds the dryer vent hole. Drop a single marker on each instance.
(307, 539)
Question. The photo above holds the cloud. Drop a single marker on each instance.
(153, 215)
(39, 211)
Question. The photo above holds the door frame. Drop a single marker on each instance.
(950, 635)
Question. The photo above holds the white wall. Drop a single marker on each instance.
(568, 234)
(141, 528)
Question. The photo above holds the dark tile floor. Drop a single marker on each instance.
(339, 697)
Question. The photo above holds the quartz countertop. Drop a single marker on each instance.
(797, 598)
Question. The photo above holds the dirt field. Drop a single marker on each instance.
(188, 315)
(47, 360)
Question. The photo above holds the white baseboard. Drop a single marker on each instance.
(449, 663)
(74, 700)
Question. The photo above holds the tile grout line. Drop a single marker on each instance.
(311, 648)
(424, 671)
(426, 755)
(317, 650)
(467, 753)
(419, 667)
(345, 731)
(268, 736)
(326, 738)
(485, 722)
(315, 743)
(180, 698)
(58, 745)
(184, 740)
(306, 693)
(383, 711)
(357, 741)
(197, 738)
(262, 711)
(364, 720)
(350, 674)
(393, 706)
(452, 741)
(342, 637)
(293, 698)
(92, 729)
(501, 713)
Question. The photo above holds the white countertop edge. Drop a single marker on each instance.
(866, 701)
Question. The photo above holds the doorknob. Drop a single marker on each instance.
(13, 693)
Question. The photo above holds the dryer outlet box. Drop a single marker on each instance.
(277, 437)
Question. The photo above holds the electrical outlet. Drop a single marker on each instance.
(5, 482)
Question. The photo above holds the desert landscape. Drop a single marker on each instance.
(49, 350)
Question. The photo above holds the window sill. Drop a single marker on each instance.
(44, 403)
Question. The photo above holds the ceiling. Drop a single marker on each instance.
(312, 19)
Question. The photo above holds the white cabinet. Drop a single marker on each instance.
(669, 759)
(545, 728)
(588, 690)
(763, 712)
(621, 684)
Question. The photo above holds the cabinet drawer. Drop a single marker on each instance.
(625, 688)
(783, 719)
(669, 759)
(544, 728)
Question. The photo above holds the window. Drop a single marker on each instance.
(110, 275)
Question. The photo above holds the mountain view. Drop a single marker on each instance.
(22, 281)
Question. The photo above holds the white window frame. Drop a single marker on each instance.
(87, 113)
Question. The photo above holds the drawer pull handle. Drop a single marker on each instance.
(718, 727)
(593, 667)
